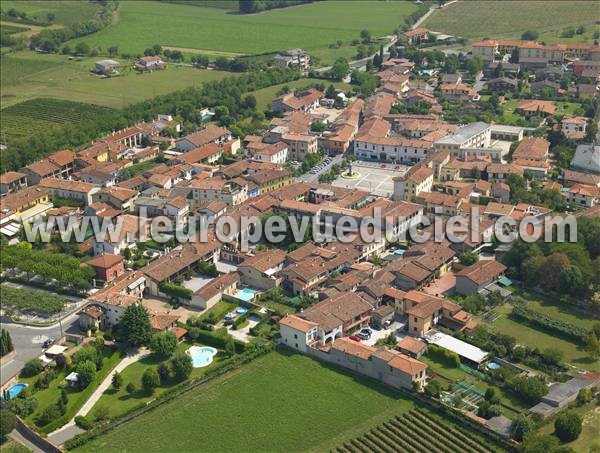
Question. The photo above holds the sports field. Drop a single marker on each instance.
(26, 75)
(142, 24)
(279, 402)
(479, 19)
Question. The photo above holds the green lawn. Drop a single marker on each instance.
(480, 19)
(266, 95)
(590, 434)
(279, 402)
(510, 117)
(219, 310)
(26, 75)
(77, 398)
(10, 446)
(534, 337)
(119, 401)
(314, 26)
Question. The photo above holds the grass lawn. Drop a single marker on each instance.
(483, 19)
(77, 398)
(264, 96)
(313, 26)
(534, 337)
(119, 401)
(219, 310)
(10, 446)
(510, 117)
(279, 402)
(590, 434)
(27, 75)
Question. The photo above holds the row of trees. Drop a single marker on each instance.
(6, 344)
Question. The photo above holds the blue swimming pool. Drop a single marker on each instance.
(201, 355)
(241, 311)
(246, 294)
(14, 391)
(493, 365)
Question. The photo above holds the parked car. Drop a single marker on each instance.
(49, 342)
(364, 334)
(354, 338)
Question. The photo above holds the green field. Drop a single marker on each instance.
(10, 446)
(536, 338)
(26, 75)
(313, 26)
(590, 434)
(479, 19)
(279, 402)
(66, 12)
(510, 117)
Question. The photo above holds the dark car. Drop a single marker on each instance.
(49, 342)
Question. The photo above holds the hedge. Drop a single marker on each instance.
(176, 290)
(216, 338)
(567, 328)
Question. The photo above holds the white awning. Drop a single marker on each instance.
(463, 349)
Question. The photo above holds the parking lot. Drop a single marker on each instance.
(376, 178)
(397, 327)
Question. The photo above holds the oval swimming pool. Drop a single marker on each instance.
(201, 355)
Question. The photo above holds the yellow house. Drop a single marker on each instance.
(269, 180)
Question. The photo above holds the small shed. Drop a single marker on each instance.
(412, 347)
(107, 66)
(382, 315)
(55, 350)
(73, 379)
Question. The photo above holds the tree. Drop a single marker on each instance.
(113, 51)
(567, 426)
(538, 443)
(130, 388)
(6, 344)
(32, 367)
(468, 258)
(163, 372)
(340, 69)
(82, 48)
(163, 344)
(365, 35)
(530, 35)
(8, 422)
(135, 325)
(531, 389)
(117, 380)
(150, 380)
(474, 65)
(331, 92)
(182, 366)
(433, 388)
(492, 395)
(86, 371)
(230, 345)
(250, 102)
(580, 30)
(520, 427)
(585, 396)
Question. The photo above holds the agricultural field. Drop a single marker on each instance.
(65, 12)
(482, 19)
(27, 300)
(313, 26)
(26, 75)
(416, 431)
(40, 114)
(265, 404)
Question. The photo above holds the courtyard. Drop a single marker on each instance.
(374, 177)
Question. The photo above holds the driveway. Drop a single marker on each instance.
(244, 333)
(397, 328)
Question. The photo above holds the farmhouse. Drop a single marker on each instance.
(416, 36)
(304, 101)
(295, 58)
(108, 267)
(534, 107)
(473, 279)
(149, 63)
(210, 134)
(574, 127)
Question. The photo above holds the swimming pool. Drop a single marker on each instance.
(493, 365)
(201, 355)
(14, 391)
(246, 294)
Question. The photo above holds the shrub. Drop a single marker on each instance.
(49, 414)
(23, 406)
(130, 388)
(433, 388)
(163, 372)
(492, 396)
(531, 389)
(101, 413)
(83, 422)
(176, 290)
(445, 355)
(520, 427)
(567, 426)
(117, 380)
(150, 380)
(86, 372)
(32, 367)
(182, 366)
(585, 396)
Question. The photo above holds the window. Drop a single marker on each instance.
(295, 336)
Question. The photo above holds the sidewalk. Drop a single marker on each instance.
(67, 431)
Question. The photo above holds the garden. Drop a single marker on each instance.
(49, 401)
